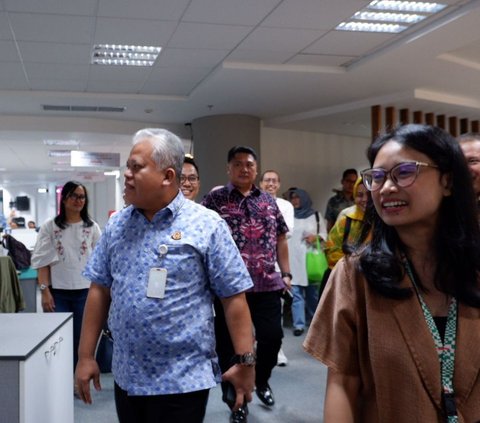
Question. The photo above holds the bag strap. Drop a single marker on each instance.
(318, 222)
(348, 224)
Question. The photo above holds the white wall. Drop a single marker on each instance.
(311, 161)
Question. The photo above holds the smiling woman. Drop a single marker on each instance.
(396, 319)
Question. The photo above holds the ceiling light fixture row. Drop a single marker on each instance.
(390, 16)
(124, 55)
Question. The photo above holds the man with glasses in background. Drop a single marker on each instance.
(190, 178)
(270, 182)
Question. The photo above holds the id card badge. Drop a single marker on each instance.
(157, 280)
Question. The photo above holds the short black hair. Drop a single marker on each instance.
(240, 149)
(189, 160)
(350, 171)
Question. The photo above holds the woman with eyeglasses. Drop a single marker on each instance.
(399, 323)
(63, 246)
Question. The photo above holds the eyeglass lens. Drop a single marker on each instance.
(191, 178)
(77, 197)
(403, 175)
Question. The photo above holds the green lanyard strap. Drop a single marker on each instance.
(445, 349)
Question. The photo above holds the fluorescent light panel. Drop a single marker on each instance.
(406, 6)
(370, 27)
(394, 16)
(389, 17)
(61, 142)
(124, 55)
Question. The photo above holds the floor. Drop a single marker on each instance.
(299, 390)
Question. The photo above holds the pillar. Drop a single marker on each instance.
(213, 136)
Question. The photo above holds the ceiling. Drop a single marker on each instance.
(280, 60)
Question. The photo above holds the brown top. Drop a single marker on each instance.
(388, 345)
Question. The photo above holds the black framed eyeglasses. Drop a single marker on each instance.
(193, 179)
(403, 175)
(80, 197)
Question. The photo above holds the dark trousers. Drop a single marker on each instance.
(265, 308)
(72, 301)
(173, 408)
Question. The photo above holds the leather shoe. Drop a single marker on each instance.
(239, 416)
(298, 332)
(265, 395)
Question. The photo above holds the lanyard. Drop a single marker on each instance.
(445, 350)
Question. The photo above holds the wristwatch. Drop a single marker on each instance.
(287, 275)
(248, 359)
(43, 287)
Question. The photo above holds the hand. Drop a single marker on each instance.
(48, 303)
(311, 239)
(243, 379)
(87, 369)
(288, 283)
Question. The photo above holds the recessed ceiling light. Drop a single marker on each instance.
(370, 27)
(388, 17)
(406, 6)
(59, 153)
(124, 55)
(61, 142)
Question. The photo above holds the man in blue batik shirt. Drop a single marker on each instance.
(154, 272)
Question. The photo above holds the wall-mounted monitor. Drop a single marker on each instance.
(22, 203)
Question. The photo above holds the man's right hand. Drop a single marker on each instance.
(87, 369)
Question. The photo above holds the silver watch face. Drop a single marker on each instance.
(248, 359)
(43, 287)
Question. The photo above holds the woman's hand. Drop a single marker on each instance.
(48, 303)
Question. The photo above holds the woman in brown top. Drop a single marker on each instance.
(399, 323)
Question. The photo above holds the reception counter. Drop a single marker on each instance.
(36, 368)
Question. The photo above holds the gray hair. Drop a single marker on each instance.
(167, 148)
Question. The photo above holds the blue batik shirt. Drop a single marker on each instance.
(166, 346)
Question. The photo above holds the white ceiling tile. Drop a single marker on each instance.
(174, 81)
(119, 73)
(280, 39)
(71, 54)
(200, 58)
(347, 43)
(143, 9)
(133, 31)
(8, 52)
(5, 33)
(53, 28)
(10, 69)
(68, 7)
(193, 35)
(113, 86)
(58, 85)
(259, 56)
(12, 77)
(313, 14)
(229, 12)
(319, 60)
(54, 71)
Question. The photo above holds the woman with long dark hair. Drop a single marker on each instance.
(399, 323)
(63, 246)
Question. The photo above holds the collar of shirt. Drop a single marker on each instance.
(254, 191)
(170, 211)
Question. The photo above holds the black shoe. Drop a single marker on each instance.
(298, 332)
(265, 395)
(239, 416)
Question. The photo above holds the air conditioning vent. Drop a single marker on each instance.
(100, 109)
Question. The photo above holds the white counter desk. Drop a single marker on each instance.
(36, 368)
